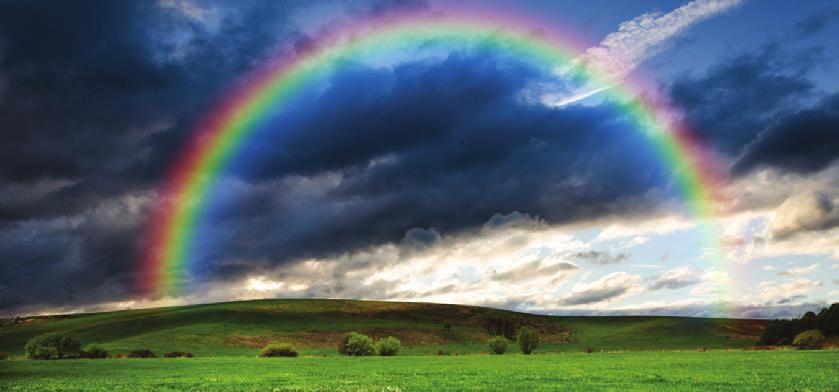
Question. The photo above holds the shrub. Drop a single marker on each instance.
(810, 339)
(56, 345)
(528, 340)
(94, 351)
(342, 345)
(589, 350)
(388, 346)
(141, 353)
(497, 345)
(3, 356)
(359, 345)
(178, 354)
(278, 350)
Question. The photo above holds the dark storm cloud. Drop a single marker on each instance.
(803, 142)
(96, 97)
(737, 98)
(758, 109)
(444, 145)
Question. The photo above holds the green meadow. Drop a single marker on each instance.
(314, 327)
(443, 348)
(711, 370)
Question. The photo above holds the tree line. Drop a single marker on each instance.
(808, 331)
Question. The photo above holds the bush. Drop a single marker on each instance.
(497, 345)
(94, 351)
(56, 345)
(358, 345)
(342, 345)
(3, 356)
(178, 354)
(528, 340)
(388, 346)
(141, 353)
(811, 339)
(589, 350)
(278, 350)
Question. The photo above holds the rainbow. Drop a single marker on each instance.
(173, 224)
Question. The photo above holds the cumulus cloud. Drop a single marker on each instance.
(609, 288)
(677, 278)
(637, 40)
(787, 291)
(805, 212)
(811, 211)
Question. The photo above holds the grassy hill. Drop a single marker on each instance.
(315, 326)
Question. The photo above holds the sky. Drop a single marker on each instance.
(425, 175)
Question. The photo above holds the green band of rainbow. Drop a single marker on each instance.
(173, 226)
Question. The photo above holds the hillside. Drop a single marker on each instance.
(315, 326)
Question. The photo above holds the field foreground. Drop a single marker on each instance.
(712, 370)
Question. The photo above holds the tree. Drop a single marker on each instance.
(811, 339)
(278, 350)
(807, 321)
(358, 345)
(388, 346)
(828, 320)
(497, 345)
(56, 345)
(528, 340)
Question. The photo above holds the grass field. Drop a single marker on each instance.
(712, 370)
(315, 327)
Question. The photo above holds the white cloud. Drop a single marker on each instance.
(810, 211)
(804, 269)
(637, 40)
(638, 231)
(788, 291)
(677, 278)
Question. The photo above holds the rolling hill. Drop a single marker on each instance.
(315, 326)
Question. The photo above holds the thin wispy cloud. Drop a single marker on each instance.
(636, 41)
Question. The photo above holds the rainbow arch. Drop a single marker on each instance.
(173, 223)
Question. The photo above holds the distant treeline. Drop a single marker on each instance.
(782, 332)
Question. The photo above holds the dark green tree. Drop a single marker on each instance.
(528, 340)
